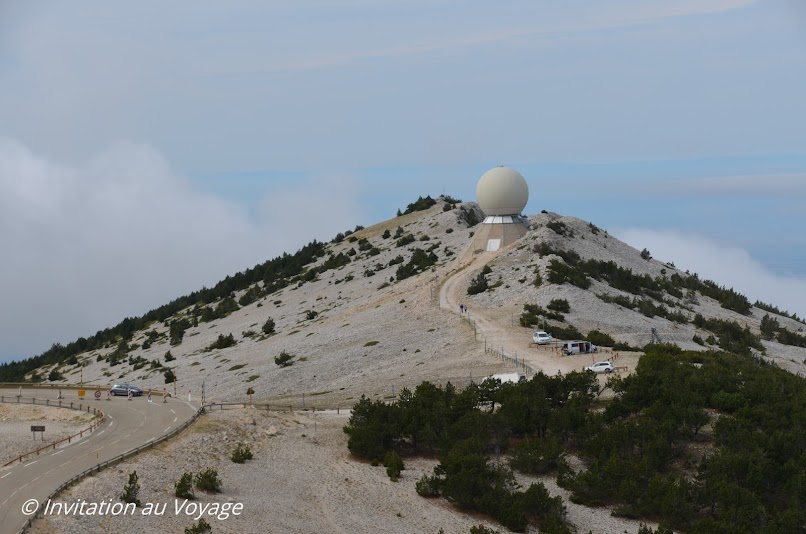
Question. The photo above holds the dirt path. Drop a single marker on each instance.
(495, 328)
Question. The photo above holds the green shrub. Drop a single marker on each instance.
(208, 480)
(557, 227)
(55, 375)
(202, 527)
(242, 453)
(469, 217)
(559, 305)
(420, 204)
(478, 284)
(427, 486)
(284, 359)
(561, 273)
(571, 332)
(170, 376)
(405, 240)
(311, 314)
(419, 262)
(600, 339)
(222, 342)
(268, 326)
(184, 486)
(537, 456)
(131, 490)
(393, 464)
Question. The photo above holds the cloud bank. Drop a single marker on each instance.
(84, 247)
(727, 265)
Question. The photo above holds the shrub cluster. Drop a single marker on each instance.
(432, 419)
(284, 359)
(771, 330)
(208, 480)
(421, 204)
(183, 488)
(742, 476)
(479, 283)
(732, 336)
(268, 327)
(222, 342)
(578, 272)
(420, 261)
(242, 452)
(131, 490)
(774, 309)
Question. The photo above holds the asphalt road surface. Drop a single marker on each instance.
(128, 424)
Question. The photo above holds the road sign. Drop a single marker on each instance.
(81, 393)
(97, 394)
(37, 428)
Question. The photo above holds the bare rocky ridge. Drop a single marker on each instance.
(373, 335)
(370, 338)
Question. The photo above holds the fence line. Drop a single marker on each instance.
(61, 404)
(511, 358)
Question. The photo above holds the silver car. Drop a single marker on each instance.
(124, 389)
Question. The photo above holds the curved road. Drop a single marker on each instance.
(128, 424)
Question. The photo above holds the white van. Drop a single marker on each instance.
(513, 378)
(542, 338)
(579, 347)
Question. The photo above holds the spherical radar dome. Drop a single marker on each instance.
(502, 191)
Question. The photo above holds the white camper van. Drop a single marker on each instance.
(579, 347)
(508, 377)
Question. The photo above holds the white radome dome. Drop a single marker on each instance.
(502, 191)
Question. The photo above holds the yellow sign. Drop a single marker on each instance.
(81, 393)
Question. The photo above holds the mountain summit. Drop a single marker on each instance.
(378, 308)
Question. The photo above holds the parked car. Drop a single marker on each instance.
(542, 338)
(601, 367)
(123, 389)
(579, 347)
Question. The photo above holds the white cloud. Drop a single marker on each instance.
(85, 247)
(727, 265)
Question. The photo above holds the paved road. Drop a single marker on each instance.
(129, 424)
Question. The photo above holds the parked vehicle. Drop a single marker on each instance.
(579, 347)
(508, 377)
(542, 338)
(601, 367)
(123, 389)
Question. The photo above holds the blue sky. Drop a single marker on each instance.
(165, 144)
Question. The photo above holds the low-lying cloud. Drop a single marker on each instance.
(84, 247)
(727, 265)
